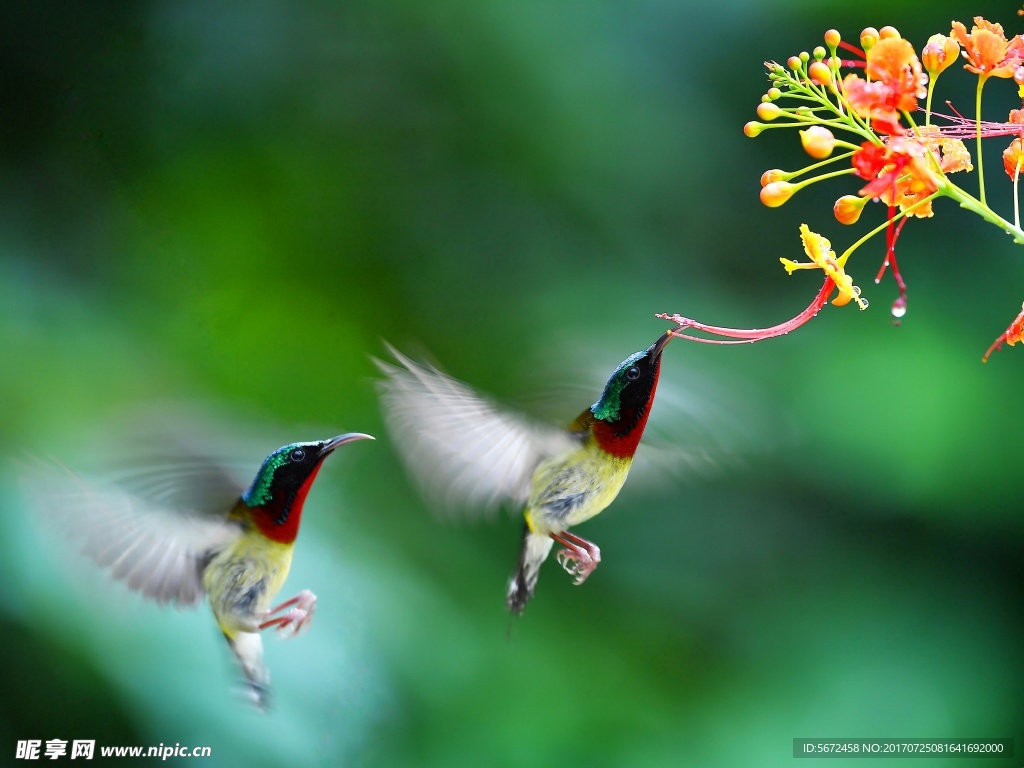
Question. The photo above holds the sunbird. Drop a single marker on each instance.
(466, 450)
(187, 529)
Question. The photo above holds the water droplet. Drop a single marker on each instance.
(878, 280)
(899, 307)
(885, 263)
(864, 304)
(856, 290)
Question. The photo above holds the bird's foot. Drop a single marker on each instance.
(298, 617)
(579, 561)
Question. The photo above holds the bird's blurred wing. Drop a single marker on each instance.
(140, 535)
(466, 453)
(189, 482)
(705, 427)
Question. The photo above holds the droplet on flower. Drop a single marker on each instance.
(939, 53)
(899, 307)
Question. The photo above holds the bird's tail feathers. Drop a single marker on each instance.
(534, 552)
(248, 649)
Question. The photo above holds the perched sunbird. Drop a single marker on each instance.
(467, 451)
(188, 528)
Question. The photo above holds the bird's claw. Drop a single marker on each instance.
(578, 563)
(298, 617)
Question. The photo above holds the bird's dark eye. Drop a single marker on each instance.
(633, 373)
(298, 455)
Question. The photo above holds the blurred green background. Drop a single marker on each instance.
(230, 207)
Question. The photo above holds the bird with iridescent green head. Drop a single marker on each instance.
(466, 451)
(184, 528)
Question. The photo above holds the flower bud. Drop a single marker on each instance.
(1013, 158)
(848, 208)
(774, 174)
(939, 53)
(833, 38)
(776, 193)
(774, 93)
(818, 142)
(868, 38)
(818, 53)
(768, 111)
(753, 128)
(819, 73)
(885, 33)
(794, 63)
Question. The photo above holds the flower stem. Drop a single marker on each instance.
(965, 200)
(841, 261)
(1016, 199)
(928, 101)
(977, 122)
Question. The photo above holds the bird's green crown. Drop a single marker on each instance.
(610, 404)
(284, 460)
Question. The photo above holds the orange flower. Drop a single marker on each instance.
(1013, 334)
(895, 84)
(939, 53)
(953, 156)
(900, 160)
(1013, 158)
(892, 61)
(987, 49)
(872, 101)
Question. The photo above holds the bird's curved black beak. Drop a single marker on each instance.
(659, 345)
(348, 437)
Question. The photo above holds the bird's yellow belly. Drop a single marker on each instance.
(243, 579)
(567, 490)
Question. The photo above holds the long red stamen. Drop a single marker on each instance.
(852, 49)
(996, 346)
(741, 336)
(966, 128)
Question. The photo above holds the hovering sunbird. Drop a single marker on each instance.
(468, 451)
(187, 529)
